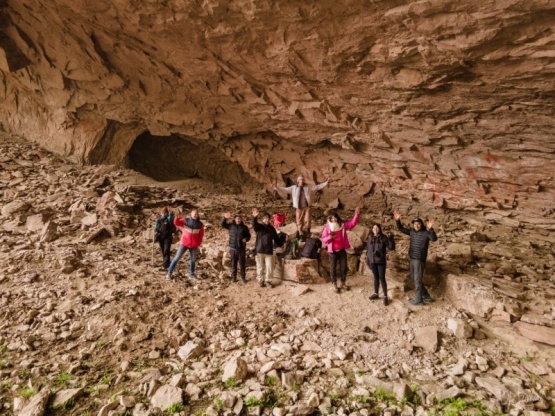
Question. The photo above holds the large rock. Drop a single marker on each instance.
(37, 405)
(166, 396)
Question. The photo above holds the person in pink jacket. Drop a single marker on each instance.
(334, 235)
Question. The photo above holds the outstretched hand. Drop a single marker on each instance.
(430, 223)
(227, 215)
(357, 210)
(255, 212)
(396, 215)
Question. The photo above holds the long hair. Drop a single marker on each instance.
(380, 234)
(336, 216)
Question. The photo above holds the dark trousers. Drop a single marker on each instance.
(341, 257)
(379, 277)
(238, 257)
(166, 248)
(417, 272)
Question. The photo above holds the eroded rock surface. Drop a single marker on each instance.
(441, 102)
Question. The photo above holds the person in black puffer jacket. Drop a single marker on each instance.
(418, 252)
(376, 246)
(266, 237)
(238, 236)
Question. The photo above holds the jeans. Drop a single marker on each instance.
(264, 261)
(340, 256)
(379, 276)
(416, 273)
(238, 257)
(165, 248)
(180, 252)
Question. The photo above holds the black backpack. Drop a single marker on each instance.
(311, 248)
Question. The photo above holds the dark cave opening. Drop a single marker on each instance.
(173, 158)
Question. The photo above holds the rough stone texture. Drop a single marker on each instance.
(445, 103)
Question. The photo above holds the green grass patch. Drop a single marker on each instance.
(175, 408)
(63, 378)
(27, 392)
(231, 382)
(253, 402)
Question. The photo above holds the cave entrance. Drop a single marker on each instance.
(174, 158)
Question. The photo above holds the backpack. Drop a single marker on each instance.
(290, 251)
(279, 219)
(164, 228)
(311, 248)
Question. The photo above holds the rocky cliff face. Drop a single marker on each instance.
(438, 102)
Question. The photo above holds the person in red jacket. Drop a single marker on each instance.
(192, 233)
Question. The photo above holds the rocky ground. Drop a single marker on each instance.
(89, 325)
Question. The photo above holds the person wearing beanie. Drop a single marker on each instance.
(239, 235)
(420, 236)
(301, 195)
(266, 237)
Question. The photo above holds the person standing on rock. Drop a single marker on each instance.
(239, 235)
(420, 236)
(376, 246)
(164, 230)
(301, 199)
(192, 233)
(266, 237)
(334, 235)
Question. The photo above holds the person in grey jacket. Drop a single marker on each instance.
(301, 199)
(420, 236)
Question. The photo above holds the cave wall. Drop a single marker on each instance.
(438, 102)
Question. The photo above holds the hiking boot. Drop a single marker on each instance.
(192, 278)
(233, 280)
(168, 276)
(262, 284)
(345, 287)
(270, 284)
(373, 296)
(427, 299)
(385, 301)
(335, 288)
(416, 302)
(243, 280)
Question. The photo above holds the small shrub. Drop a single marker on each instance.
(28, 392)
(453, 407)
(175, 408)
(270, 381)
(333, 395)
(382, 395)
(106, 378)
(218, 403)
(362, 399)
(253, 402)
(231, 382)
(63, 378)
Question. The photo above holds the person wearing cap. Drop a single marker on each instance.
(301, 199)
(266, 238)
(334, 235)
(420, 236)
(239, 235)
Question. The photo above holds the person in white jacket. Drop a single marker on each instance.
(301, 198)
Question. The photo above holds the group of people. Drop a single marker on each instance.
(334, 235)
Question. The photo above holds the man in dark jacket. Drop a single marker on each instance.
(266, 236)
(238, 236)
(418, 252)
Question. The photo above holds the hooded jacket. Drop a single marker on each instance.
(192, 231)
